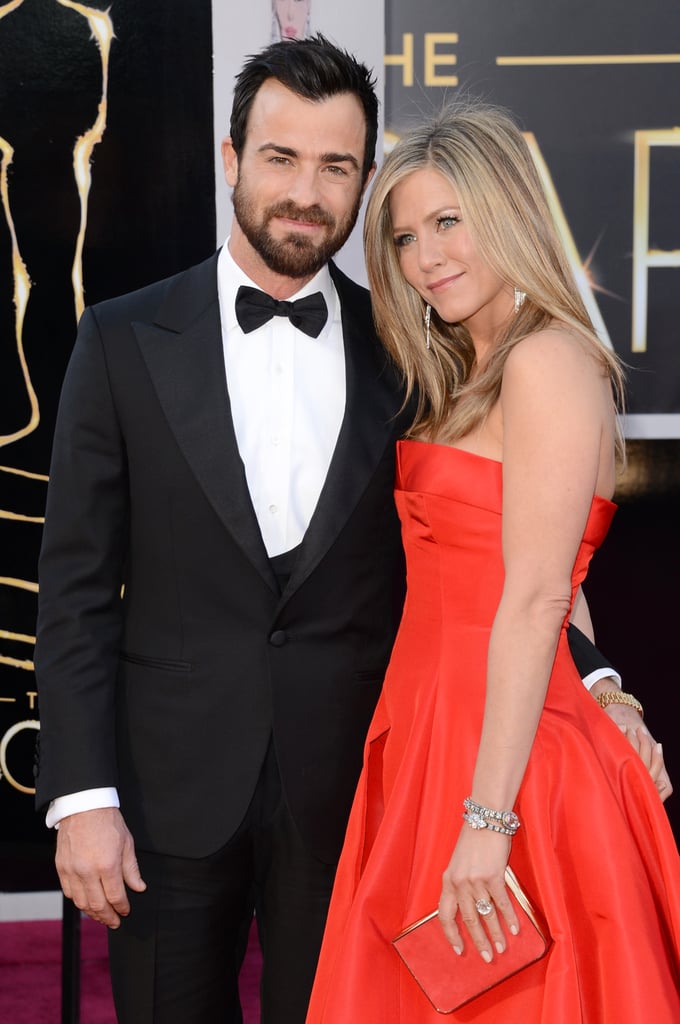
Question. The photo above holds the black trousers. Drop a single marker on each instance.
(176, 958)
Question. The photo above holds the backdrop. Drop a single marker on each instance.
(110, 122)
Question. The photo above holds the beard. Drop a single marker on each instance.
(295, 255)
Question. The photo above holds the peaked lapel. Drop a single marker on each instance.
(370, 423)
(182, 349)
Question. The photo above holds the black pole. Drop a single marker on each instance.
(70, 963)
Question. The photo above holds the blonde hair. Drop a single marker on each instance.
(482, 153)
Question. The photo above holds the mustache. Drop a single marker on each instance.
(310, 214)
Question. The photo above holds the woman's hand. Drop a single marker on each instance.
(476, 873)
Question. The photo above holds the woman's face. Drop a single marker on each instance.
(292, 16)
(439, 258)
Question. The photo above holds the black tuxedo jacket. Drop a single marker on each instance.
(166, 654)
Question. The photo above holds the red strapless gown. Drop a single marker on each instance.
(596, 852)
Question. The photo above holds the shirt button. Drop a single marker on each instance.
(276, 440)
(278, 638)
(273, 509)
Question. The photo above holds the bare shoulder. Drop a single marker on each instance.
(555, 353)
(555, 343)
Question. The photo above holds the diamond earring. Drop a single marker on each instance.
(519, 299)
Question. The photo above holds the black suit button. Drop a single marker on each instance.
(278, 638)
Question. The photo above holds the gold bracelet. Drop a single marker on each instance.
(619, 697)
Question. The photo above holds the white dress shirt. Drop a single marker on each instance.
(287, 395)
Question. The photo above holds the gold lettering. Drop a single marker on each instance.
(584, 280)
(645, 258)
(32, 696)
(434, 58)
(403, 59)
(4, 743)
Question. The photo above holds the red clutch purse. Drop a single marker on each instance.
(448, 980)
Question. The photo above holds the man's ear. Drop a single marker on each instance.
(229, 162)
(369, 176)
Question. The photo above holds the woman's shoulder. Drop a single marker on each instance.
(555, 348)
(555, 363)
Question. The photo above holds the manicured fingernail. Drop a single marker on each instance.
(659, 748)
(457, 950)
(486, 956)
(514, 929)
(500, 948)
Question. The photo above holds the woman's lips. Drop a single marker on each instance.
(443, 282)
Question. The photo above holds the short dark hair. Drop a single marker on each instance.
(313, 68)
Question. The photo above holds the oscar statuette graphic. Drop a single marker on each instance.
(49, 158)
(106, 183)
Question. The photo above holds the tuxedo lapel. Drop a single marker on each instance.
(182, 349)
(373, 400)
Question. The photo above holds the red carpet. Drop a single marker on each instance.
(30, 975)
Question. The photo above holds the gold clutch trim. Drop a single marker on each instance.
(449, 981)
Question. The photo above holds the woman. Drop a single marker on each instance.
(290, 19)
(504, 489)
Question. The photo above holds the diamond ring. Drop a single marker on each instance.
(484, 907)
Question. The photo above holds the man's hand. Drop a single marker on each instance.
(95, 861)
(631, 725)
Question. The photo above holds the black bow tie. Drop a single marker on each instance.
(254, 308)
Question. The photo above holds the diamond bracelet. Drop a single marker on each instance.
(478, 816)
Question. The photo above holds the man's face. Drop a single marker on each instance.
(297, 185)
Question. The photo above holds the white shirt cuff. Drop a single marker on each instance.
(601, 673)
(73, 803)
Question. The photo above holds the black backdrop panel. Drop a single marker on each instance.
(150, 212)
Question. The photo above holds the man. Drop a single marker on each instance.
(247, 517)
